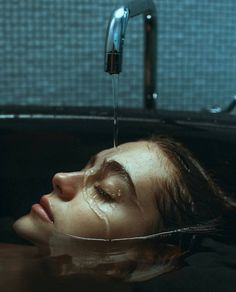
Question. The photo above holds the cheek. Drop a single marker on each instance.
(91, 217)
(127, 222)
(83, 217)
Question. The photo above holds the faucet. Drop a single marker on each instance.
(115, 40)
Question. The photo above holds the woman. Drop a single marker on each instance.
(139, 188)
(135, 190)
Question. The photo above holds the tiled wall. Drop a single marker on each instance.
(51, 53)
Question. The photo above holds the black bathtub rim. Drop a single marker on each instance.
(100, 121)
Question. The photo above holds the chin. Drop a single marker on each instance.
(32, 230)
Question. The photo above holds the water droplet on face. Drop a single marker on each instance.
(119, 193)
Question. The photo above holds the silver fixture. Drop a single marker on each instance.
(115, 40)
(228, 109)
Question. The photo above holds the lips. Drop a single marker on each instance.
(43, 210)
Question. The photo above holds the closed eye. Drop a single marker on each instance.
(103, 194)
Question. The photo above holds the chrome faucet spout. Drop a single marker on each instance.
(115, 40)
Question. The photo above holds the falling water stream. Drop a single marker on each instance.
(115, 83)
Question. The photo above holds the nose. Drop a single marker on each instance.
(66, 185)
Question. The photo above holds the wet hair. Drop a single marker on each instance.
(188, 196)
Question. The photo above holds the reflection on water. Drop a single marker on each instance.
(22, 269)
(127, 259)
(71, 263)
(135, 259)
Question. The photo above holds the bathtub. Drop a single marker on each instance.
(38, 142)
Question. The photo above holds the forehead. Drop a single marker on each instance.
(143, 160)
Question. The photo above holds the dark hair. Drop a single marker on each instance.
(189, 196)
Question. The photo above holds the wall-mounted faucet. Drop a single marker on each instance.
(115, 40)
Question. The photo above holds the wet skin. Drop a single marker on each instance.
(114, 196)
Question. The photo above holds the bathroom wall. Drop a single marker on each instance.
(51, 53)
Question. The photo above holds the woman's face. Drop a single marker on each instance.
(114, 196)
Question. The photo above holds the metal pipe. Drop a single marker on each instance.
(115, 41)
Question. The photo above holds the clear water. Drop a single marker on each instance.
(71, 263)
(127, 259)
(115, 86)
